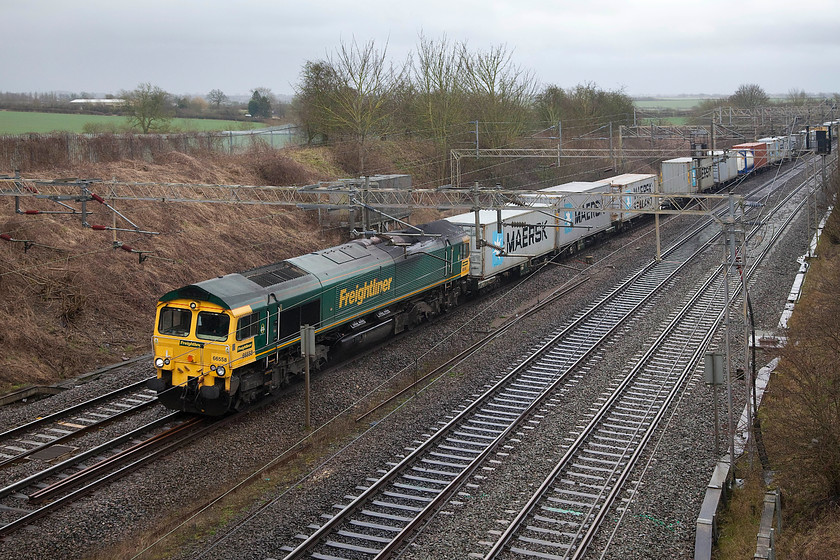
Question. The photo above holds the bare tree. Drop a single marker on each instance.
(438, 78)
(797, 97)
(500, 93)
(359, 106)
(150, 108)
(217, 98)
(583, 107)
(749, 96)
(550, 104)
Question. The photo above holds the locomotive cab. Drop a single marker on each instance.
(195, 346)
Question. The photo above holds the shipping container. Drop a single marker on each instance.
(774, 149)
(801, 140)
(751, 155)
(702, 178)
(579, 203)
(521, 235)
(724, 166)
(557, 220)
(676, 176)
(784, 147)
(633, 187)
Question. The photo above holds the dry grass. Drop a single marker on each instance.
(820, 540)
(739, 522)
(73, 303)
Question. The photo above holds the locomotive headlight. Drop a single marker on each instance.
(220, 371)
(158, 362)
(212, 367)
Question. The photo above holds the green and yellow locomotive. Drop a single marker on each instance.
(226, 342)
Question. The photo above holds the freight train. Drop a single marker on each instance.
(226, 342)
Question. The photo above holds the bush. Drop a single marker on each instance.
(802, 412)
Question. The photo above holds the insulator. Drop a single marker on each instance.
(31, 212)
(97, 198)
(128, 248)
(99, 228)
(6, 236)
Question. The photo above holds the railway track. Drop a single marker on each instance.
(44, 435)
(39, 494)
(390, 510)
(561, 518)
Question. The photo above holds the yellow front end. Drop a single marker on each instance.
(195, 351)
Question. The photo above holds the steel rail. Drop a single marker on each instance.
(72, 409)
(164, 448)
(576, 447)
(95, 452)
(360, 501)
(104, 465)
(587, 538)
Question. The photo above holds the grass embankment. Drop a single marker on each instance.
(24, 122)
(800, 418)
(73, 303)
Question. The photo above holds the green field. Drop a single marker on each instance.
(23, 122)
(665, 121)
(678, 103)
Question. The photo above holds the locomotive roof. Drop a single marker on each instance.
(362, 254)
(234, 291)
(337, 262)
(308, 273)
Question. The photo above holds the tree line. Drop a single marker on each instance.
(149, 108)
(446, 93)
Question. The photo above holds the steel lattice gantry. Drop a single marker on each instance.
(557, 153)
(339, 195)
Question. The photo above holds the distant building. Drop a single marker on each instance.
(98, 101)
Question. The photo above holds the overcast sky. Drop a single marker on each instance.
(644, 47)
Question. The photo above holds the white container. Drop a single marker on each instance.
(773, 149)
(523, 234)
(724, 166)
(731, 165)
(554, 220)
(676, 176)
(787, 146)
(580, 206)
(702, 178)
(745, 160)
(632, 187)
